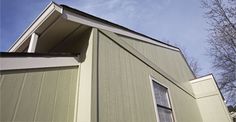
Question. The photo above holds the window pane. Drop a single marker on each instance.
(161, 94)
(165, 115)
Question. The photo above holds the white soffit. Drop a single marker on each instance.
(51, 9)
(56, 10)
(93, 23)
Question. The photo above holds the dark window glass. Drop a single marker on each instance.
(163, 103)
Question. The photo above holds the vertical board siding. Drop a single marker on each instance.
(10, 88)
(72, 95)
(169, 60)
(38, 94)
(125, 92)
(27, 107)
(47, 96)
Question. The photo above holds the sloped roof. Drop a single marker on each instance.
(110, 23)
(54, 11)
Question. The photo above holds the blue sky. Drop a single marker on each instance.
(180, 22)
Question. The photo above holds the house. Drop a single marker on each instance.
(72, 66)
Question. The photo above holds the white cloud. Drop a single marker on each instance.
(125, 12)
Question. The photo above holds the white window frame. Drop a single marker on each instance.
(152, 79)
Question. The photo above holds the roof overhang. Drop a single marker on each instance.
(50, 14)
(55, 12)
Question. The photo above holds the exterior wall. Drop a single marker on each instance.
(46, 94)
(171, 61)
(124, 89)
(209, 100)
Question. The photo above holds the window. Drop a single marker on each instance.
(163, 105)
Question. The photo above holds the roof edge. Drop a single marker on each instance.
(21, 38)
(61, 9)
(73, 10)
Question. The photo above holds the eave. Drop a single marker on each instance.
(54, 11)
(49, 15)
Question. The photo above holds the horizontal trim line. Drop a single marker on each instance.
(18, 63)
(23, 54)
(208, 77)
(207, 95)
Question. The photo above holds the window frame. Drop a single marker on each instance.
(152, 79)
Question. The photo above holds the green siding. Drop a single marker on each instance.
(125, 91)
(38, 94)
(169, 60)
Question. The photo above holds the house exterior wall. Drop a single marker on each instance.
(46, 94)
(124, 90)
(209, 99)
(112, 82)
(171, 61)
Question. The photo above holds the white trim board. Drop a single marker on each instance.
(16, 63)
(201, 79)
(152, 79)
(48, 11)
(93, 23)
(153, 97)
(71, 16)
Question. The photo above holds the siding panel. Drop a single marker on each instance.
(47, 97)
(123, 96)
(13, 84)
(72, 97)
(38, 94)
(169, 60)
(125, 91)
(29, 97)
(62, 97)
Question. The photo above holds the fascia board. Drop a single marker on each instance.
(71, 16)
(49, 10)
(53, 7)
(202, 79)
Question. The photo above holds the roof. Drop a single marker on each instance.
(54, 15)
(110, 23)
(54, 11)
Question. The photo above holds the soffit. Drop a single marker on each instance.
(55, 13)
(46, 18)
